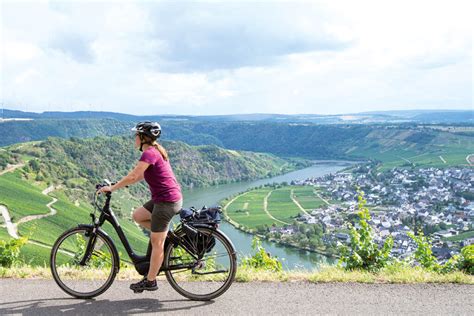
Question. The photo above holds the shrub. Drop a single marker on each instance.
(423, 254)
(467, 259)
(10, 251)
(363, 252)
(261, 259)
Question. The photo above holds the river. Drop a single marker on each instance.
(291, 258)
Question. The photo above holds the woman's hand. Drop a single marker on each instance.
(105, 189)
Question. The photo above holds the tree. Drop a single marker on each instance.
(34, 165)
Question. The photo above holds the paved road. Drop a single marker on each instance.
(43, 297)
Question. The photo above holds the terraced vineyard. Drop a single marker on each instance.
(21, 197)
(272, 206)
(443, 150)
(24, 199)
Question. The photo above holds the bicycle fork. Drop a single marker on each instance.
(90, 246)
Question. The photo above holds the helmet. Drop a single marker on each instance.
(147, 128)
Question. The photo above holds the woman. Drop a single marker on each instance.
(166, 201)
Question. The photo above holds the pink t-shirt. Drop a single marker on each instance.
(160, 177)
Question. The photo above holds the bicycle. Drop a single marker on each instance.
(199, 260)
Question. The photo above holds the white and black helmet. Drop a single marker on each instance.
(147, 128)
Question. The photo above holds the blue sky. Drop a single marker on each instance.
(214, 57)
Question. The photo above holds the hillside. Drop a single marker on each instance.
(78, 164)
(394, 145)
(31, 174)
(28, 203)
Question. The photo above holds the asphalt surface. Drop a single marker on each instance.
(43, 297)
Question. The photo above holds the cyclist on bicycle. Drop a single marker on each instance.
(166, 201)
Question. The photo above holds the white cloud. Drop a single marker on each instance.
(216, 58)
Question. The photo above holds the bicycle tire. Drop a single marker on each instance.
(110, 279)
(233, 260)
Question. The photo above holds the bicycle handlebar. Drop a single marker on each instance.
(107, 194)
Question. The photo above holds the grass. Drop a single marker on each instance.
(328, 274)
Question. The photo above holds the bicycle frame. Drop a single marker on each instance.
(141, 263)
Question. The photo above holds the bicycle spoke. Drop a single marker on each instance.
(211, 275)
(82, 280)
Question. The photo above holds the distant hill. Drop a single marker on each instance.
(415, 116)
(390, 143)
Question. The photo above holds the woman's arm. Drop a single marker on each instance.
(137, 174)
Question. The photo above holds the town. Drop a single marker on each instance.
(437, 201)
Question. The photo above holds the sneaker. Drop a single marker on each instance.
(144, 285)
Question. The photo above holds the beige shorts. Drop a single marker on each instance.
(162, 213)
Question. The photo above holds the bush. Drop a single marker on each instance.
(363, 252)
(10, 251)
(466, 263)
(423, 254)
(261, 259)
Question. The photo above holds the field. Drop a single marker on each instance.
(281, 206)
(250, 210)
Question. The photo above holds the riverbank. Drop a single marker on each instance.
(279, 242)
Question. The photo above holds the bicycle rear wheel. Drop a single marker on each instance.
(96, 274)
(205, 278)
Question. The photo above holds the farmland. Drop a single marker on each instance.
(250, 210)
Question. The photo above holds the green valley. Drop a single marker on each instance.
(46, 186)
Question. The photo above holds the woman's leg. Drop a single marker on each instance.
(162, 214)
(158, 243)
(143, 217)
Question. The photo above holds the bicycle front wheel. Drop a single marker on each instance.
(206, 277)
(79, 277)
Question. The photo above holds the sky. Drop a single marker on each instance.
(230, 57)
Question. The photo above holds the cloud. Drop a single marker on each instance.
(73, 45)
(199, 37)
(236, 57)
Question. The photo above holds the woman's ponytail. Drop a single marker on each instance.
(161, 149)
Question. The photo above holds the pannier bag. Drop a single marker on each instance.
(206, 215)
